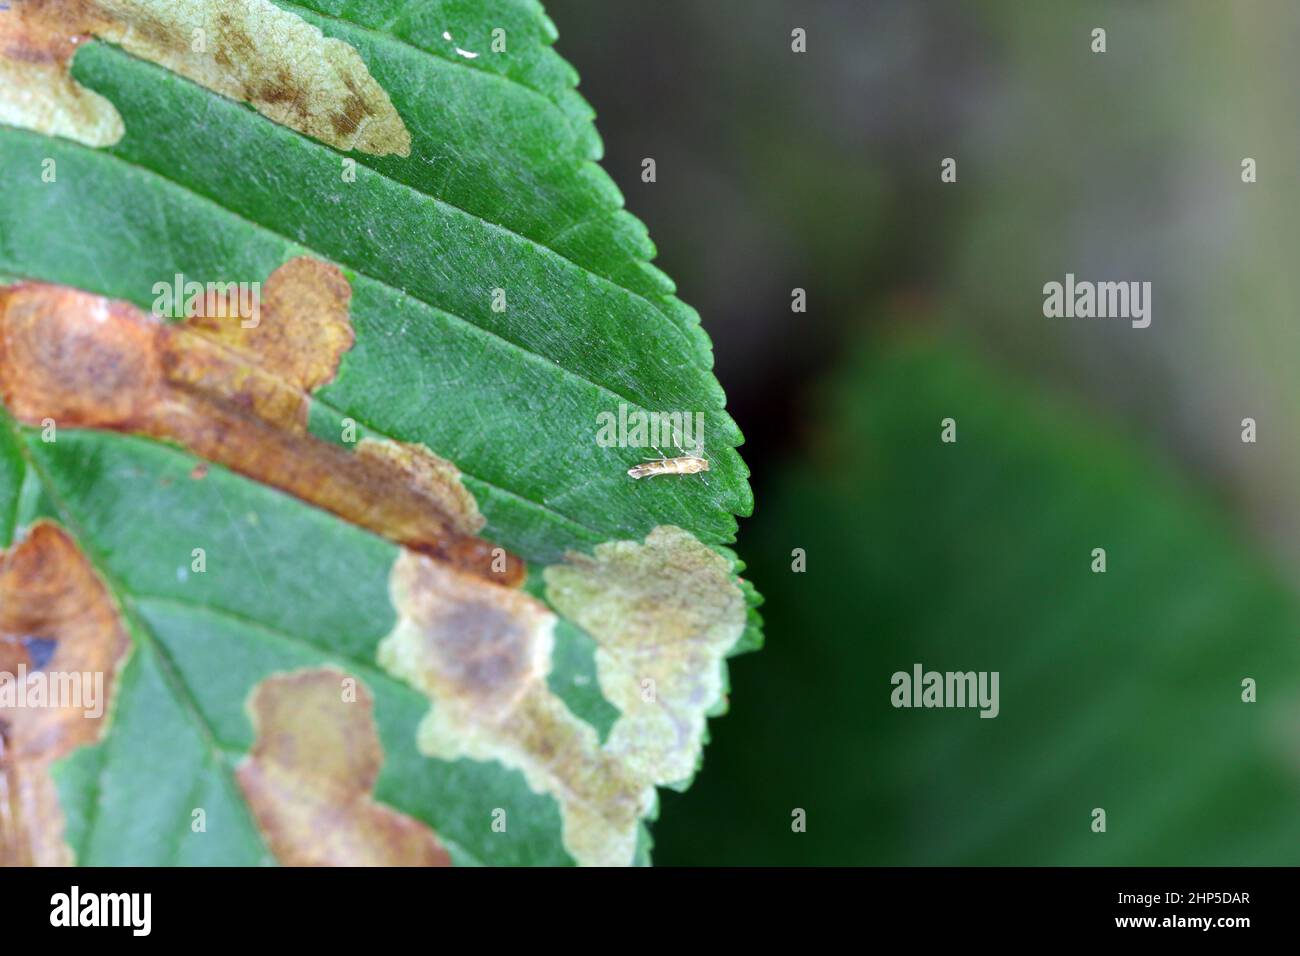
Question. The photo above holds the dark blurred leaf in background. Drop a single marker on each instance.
(1119, 690)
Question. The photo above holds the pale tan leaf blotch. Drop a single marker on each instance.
(310, 774)
(664, 614)
(248, 50)
(481, 653)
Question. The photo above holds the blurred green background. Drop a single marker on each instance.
(821, 171)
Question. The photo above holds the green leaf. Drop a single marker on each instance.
(500, 192)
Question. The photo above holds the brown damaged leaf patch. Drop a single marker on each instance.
(310, 774)
(664, 614)
(482, 654)
(49, 593)
(267, 360)
(248, 50)
(36, 90)
(238, 396)
(438, 477)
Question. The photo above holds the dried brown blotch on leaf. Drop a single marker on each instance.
(664, 614)
(239, 397)
(36, 91)
(49, 591)
(268, 361)
(75, 357)
(249, 50)
(434, 476)
(14, 654)
(310, 776)
(482, 654)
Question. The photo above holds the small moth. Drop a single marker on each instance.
(683, 465)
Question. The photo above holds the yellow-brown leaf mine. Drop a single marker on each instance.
(292, 348)
(49, 593)
(664, 614)
(439, 478)
(237, 393)
(310, 774)
(248, 50)
(36, 90)
(482, 654)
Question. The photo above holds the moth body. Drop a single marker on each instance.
(684, 465)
